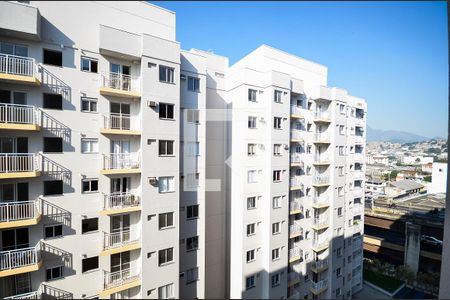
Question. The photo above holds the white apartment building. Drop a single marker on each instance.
(438, 182)
(132, 169)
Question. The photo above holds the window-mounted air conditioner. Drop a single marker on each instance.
(152, 103)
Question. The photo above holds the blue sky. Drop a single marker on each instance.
(393, 54)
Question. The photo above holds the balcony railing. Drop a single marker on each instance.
(320, 200)
(320, 243)
(119, 239)
(297, 110)
(293, 276)
(357, 209)
(121, 200)
(121, 82)
(321, 158)
(119, 161)
(320, 264)
(19, 162)
(18, 65)
(321, 179)
(357, 243)
(118, 121)
(359, 139)
(296, 158)
(19, 258)
(319, 286)
(17, 211)
(321, 221)
(32, 295)
(19, 114)
(295, 181)
(115, 279)
(322, 115)
(357, 226)
(356, 278)
(295, 205)
(297, 134)
(294, 252)
(295, 229)
(321, 136)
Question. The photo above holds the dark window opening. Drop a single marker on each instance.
(90, 263)
(53, 144)
(52, 101)
(52, 57)
(88, 225)
(53, 187)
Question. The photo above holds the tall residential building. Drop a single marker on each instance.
(132, 169)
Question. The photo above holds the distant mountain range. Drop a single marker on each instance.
(393, 136)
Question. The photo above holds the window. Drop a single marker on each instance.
(338, 272)
(277, 176)
(89, 64)
(276, 228)
(276, 202)
(339, 251)
(275, 279)
(52, 101)
(89, 145)
(251, 176)
(339, 211)
(89, 185)
(193, 116)
(341, 150)
(192, 212)
(250, 255)
(306, 277)
(165, 220)
(250, 282)
(53, 144)
(166, 184)
(339, 231)
(165, 256)
(277, 149)
(88, 104)
(54, 273)
(341, 171)
(251, 95)
(13, 49)
(88, 225)
(165, 147)
(191, 275)
(166, 291)
(53, 187)
(166, 74)
(251, 229)
(166, 111)
(192, 243)
(52, 57)
(342, 108)
(192, 179)
(338, 292)
(308, 149)
(193, 84)
(88, 264)
(277, 122)
(276, 254)
(340, 191)
(251, 122)
(341, 129)
(251, 149)
(277, 96)
(51, 231)
(251, 202)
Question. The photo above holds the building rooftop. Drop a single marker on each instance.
(407, 184)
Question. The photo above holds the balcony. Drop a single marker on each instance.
(359, 139)
(296, 160)
(293, 278)
(320, 202)
(295, 230)
(319, 287)
(20, 21)
(325, 94)
(297, 136)
(19, 165)
(321, 180)
(297, 112)
(294, 254)
(18, 214)
(321, 159)
(119, 124)
(322, 117)
(120, 85)
(320, 244)
(356, 278)
(359, 175)
(20, 261)
(359, 157)
(295, 183)
(321, 138)
(357, 191)
(18, 69)
(32, 295)
(357, 226)
(44, 292)
(119, 281)
(358, 209)
(319, 265)
(320, 222)
(20, 117)
(357, 243)
(121, 241)
(295, 207)
(118, 203)
(121, 163)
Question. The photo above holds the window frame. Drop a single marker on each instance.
(89, 100)
(90, 142)
(170, 184)
(90, 60)
(252, 256)
(166, 142)
(54, 51)
(53, 226)
(167, 111)
(167, 253)
(252, 280)
(276, 251)
(89, 180)
(83, 271)
(250, 93)
(277, 93)
(194, 80)
(192, 207)
(251, 146)
(251, 232)
(252, 120)
(46, 101)
(249, 202)
(169, 76)
(278, 121)
(278, 226)
(193, 238)
(194, 278)
(166, 219)
(91, 230)
(61, 272)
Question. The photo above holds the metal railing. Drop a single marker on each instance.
(294, 252)
(19, 162)
(320, 264)
(32, 295)
(321, 136)
(19, 114)
(359, 139)
(118, 121)
(297, 134)
(320, 221)
(323, 115)
(320, 243)
(20, 258)
(120, 200)
(297, 110)
(118, 239)
(294, 205)
(357, 226)
(321, 179)
(111, 280)
(358, 209)
(20, 210)
(295, 181)
(321, 158)
(121, 82)
(319, 200)
(296, 158)
(295, 229)
(117, 161)
(318, 286)
(18, 65)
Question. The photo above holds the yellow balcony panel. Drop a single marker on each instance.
(21, 270)
(21, 223)
(26, 127)
(297, 116)
(322, 141)
(295, 234)
(120, 131)
(124, 248)
(105, 294)
(12, 78)
(322, 120)
(320, 247)
(294, 258)
(295, 211)
(20, 175)
(107, 91)
(320, 205)
(321, 184)
(319, 226)
(321, 163)
(296, 187)
(296, 140)
(120, 210)
(119, 171)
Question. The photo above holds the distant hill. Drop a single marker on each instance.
(393, 136)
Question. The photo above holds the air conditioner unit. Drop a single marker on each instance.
(152, 103)
(181, 274)
(286, 147)
(261, 146)
(182, 77)
(152, 180)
